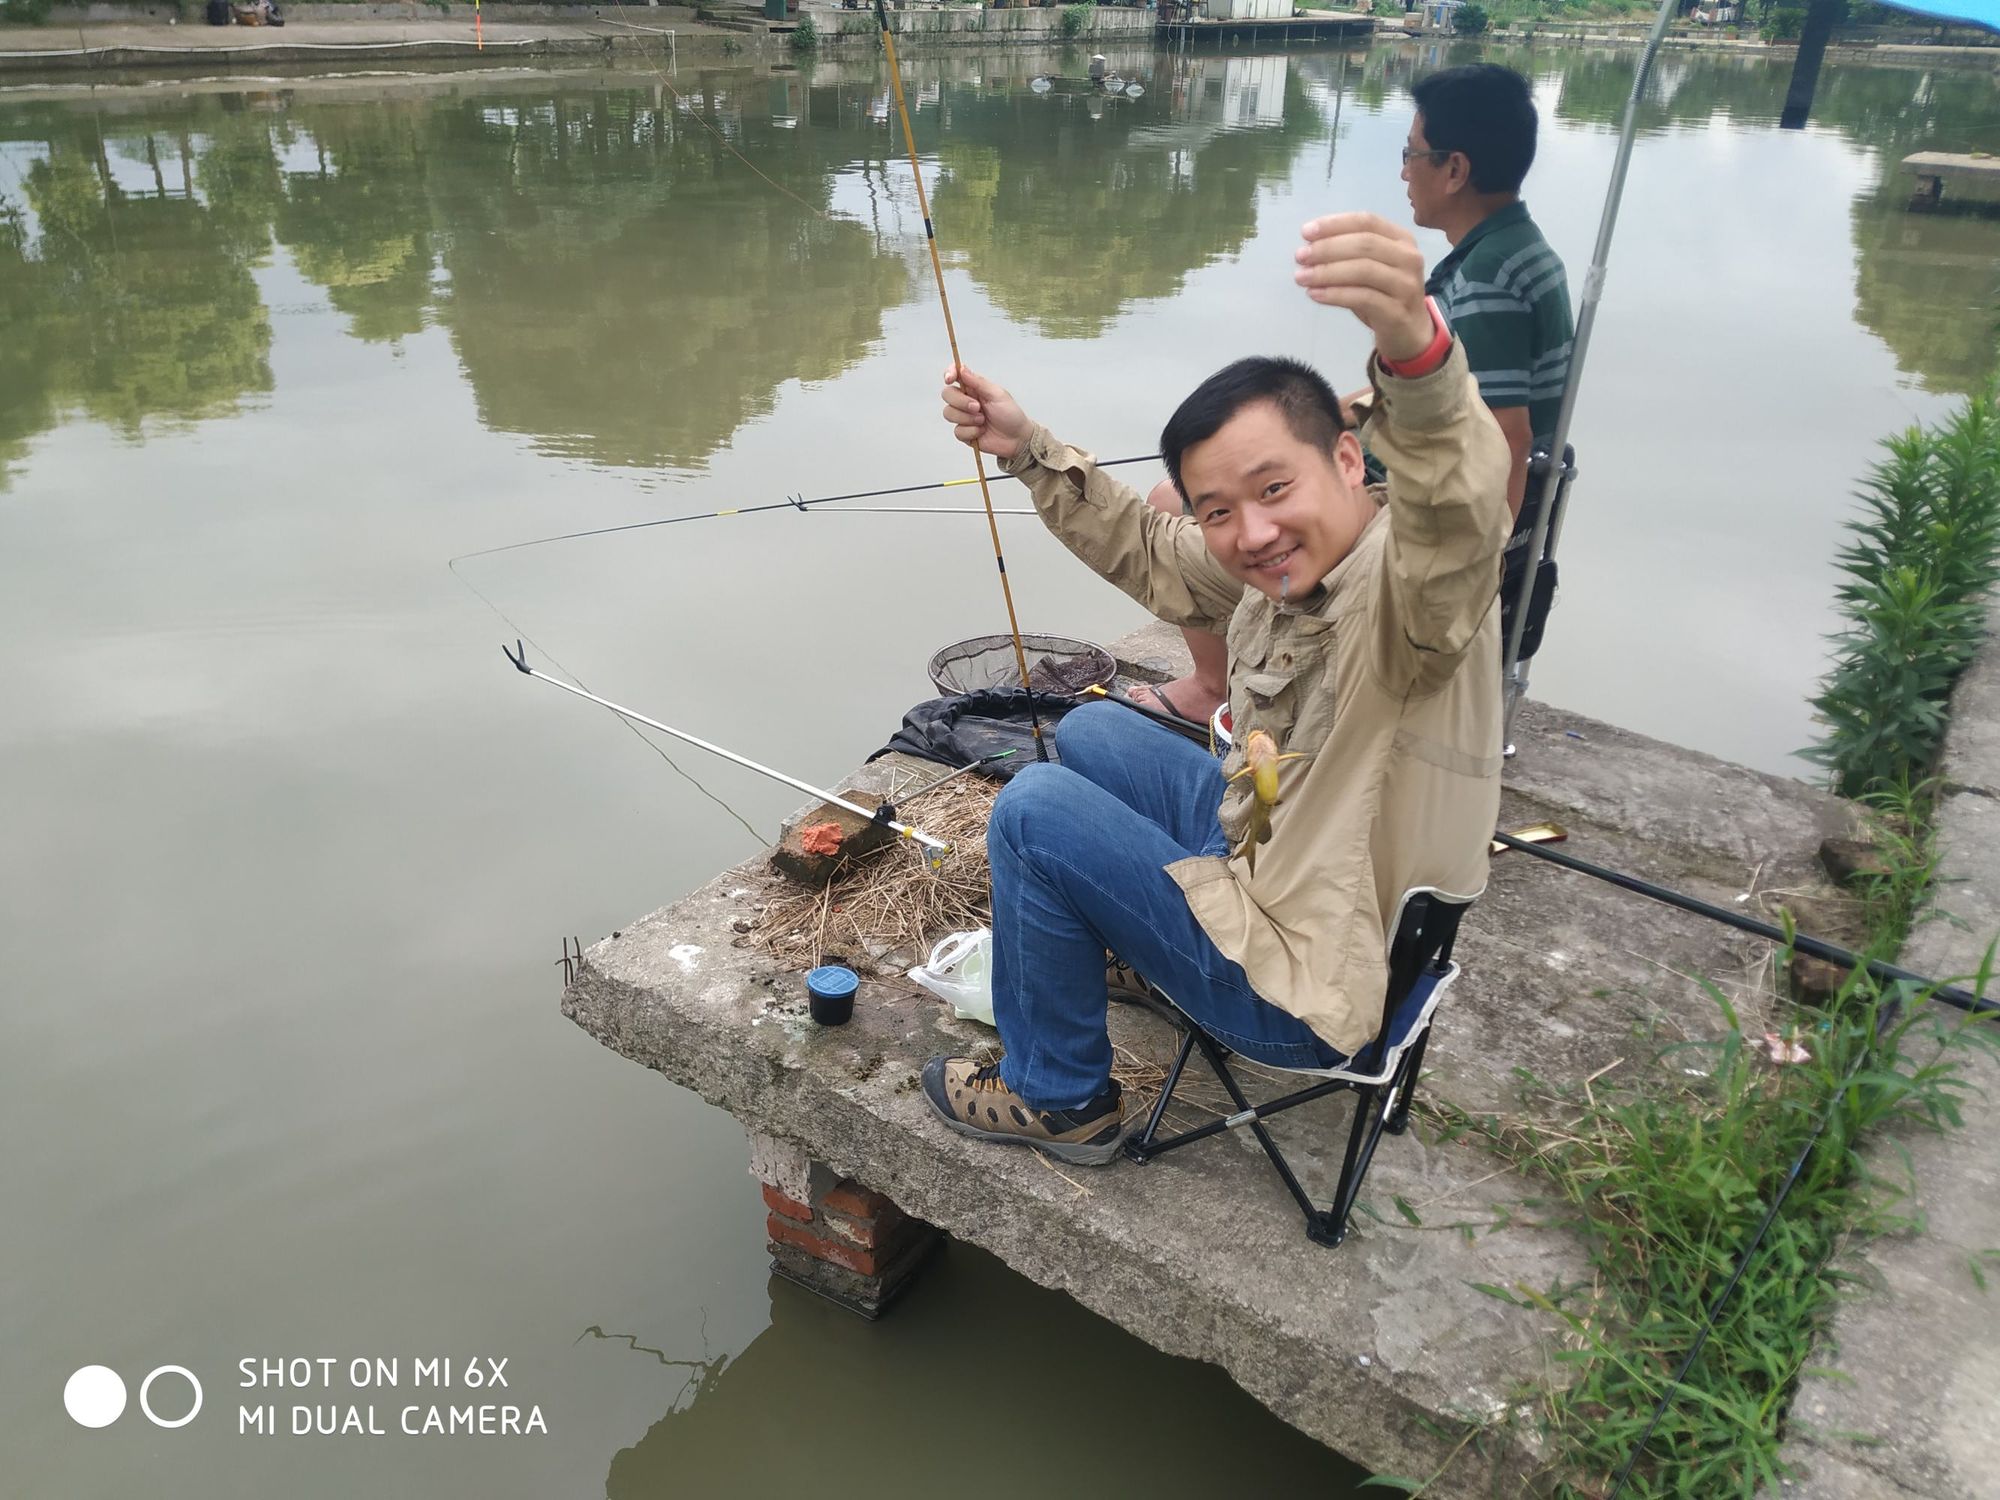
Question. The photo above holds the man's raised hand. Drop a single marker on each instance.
(1373, 268)
(983, 414)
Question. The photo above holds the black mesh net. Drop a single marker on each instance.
(1056, 664)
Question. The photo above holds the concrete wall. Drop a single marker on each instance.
(1911, 1364)
(1027, 24)
(1032, 24)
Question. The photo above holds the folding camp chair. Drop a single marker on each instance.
(1514, 566)
(1382, 1076)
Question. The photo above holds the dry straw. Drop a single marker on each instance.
(891, 907)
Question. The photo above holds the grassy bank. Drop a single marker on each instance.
(1683, 1351)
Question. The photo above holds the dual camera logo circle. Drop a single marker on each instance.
(95, 1396)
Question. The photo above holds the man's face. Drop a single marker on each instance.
(1273, 508)
(1429, 175)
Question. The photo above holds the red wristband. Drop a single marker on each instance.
(1418, 365)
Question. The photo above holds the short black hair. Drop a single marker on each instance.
(1487, 113)
(1303, 398)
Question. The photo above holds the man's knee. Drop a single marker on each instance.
(1086, 730)
(1036, 793)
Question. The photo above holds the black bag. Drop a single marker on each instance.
(219, 13)
(967, 727)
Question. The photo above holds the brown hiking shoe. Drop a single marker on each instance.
(1124, 985)
(973, 1101)
(1122, 981)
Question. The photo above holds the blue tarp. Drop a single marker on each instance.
(1970, 12)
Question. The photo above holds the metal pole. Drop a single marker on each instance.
(1515, 680)
(1812, 947)
(936, 849)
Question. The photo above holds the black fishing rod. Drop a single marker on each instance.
(790, 502)
(1812, 947)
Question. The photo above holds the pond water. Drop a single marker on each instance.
(289, 852)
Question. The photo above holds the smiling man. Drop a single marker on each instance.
(1362, 639)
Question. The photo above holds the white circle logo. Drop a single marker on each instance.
(146, 1387)
(95, 1396)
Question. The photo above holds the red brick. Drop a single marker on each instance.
(849, 1197)
(861, 1262)
(791, 1208)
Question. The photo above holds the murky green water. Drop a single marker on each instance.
(288, 850)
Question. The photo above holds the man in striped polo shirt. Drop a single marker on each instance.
(1502, 289)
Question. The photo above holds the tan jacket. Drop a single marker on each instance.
(1387, 675)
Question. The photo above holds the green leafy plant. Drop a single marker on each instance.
(26, 12)
(805, 36)
(1077, 19)
(1920, 557)
(1785, 24)
(1469, 19)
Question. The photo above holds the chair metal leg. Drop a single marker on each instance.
(1140, 1147)
(1371, 1113)
(1406, 1087)
(1379, 1109)
(1248, 1115)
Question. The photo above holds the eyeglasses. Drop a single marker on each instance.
(1411, 151)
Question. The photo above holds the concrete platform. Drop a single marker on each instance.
(1933, 169)
(1381, 1348)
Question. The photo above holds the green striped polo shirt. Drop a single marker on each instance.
(1503, 291)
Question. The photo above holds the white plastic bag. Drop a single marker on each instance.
(960, 970)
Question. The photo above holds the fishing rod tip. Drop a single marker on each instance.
(518, 656)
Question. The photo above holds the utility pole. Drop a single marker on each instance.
(1820, 18)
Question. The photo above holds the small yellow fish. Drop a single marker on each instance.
(1260, 763)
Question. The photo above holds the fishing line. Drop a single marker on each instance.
(452, 565)
(957, 364)
(788, 503)
(644, 739)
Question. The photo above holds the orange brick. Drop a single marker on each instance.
(849, 1197)
(791, 1208)
(785, 1232)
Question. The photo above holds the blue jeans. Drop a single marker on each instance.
(1079, 853)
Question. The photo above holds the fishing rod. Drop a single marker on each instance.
(1812, 947)
(931, 510)
(957, 364)
(934, 849)
(790, 502)
(1513, 675)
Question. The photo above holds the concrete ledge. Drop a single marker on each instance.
(1381, 1348)
(1911, 1361)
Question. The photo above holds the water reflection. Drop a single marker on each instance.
(128, 291)
(620, 287)
(1066, 209)
(821, 1381)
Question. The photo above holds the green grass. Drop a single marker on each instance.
(1666, 1188)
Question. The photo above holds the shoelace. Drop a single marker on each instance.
(986, 1078)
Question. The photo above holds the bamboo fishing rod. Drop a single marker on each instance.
(951, 337)
(935, 849)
